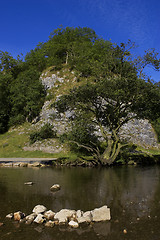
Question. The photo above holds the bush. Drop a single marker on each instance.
(45, 132)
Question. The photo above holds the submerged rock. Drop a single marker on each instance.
(50, 224)
(55, 187)
(28, 183)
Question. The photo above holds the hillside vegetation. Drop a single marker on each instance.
(107, 87)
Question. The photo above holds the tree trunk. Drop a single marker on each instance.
(111, 152)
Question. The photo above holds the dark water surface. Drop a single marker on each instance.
(132, 193)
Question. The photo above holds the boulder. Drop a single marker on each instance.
(18, 216)
(79, 213)
(39, 209)
(73, 224)
(87, 216)
(63, 215)
(101, 214)
(35, 164)
(30, 218)
(22, 164)
(55, 187)
(49, 215)
(10, 215)
(81, 220)
(39, 219)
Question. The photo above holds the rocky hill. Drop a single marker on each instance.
(137, 131)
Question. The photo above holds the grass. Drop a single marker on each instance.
(151, 151)
(12, 143)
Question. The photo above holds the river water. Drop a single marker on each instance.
(132, 193)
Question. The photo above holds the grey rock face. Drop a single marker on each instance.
(137, 131)
(50, 82)
(140, 132)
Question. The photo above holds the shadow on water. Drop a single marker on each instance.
(132, 193)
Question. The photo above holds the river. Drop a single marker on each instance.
(132, 193)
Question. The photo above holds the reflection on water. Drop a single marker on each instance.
(132, 193)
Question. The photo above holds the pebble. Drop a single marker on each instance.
(124, 231)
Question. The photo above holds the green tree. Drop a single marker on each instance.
(5, 106)
(62, 43)
(27, 96)
(111, 102)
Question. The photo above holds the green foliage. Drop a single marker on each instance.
(5, 106)
(27, 96)
(110, 103)
(44, 133)
(156, 125)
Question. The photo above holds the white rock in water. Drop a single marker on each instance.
(49, 215)
(73, 224)
(55, 187)
(39, 219)
(81, 220)
(30, 218)
(63, 215)
(28, 183)
(10, 215)
(88, 216)
(39, 209)
(101, 214)
(79, 213)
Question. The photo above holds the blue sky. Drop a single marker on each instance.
(25, 23)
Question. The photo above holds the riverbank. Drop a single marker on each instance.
(132, 159)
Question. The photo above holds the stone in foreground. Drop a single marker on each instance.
(30, 218)
(55, 187)
(39, 219)
(73, 224)
(101, 214)
(18, 216)
(63, 215)
(39, 209)
(87, 216)
(49, 215)
(10, 215)
(28, 183)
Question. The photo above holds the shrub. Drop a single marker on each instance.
(45, 132)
